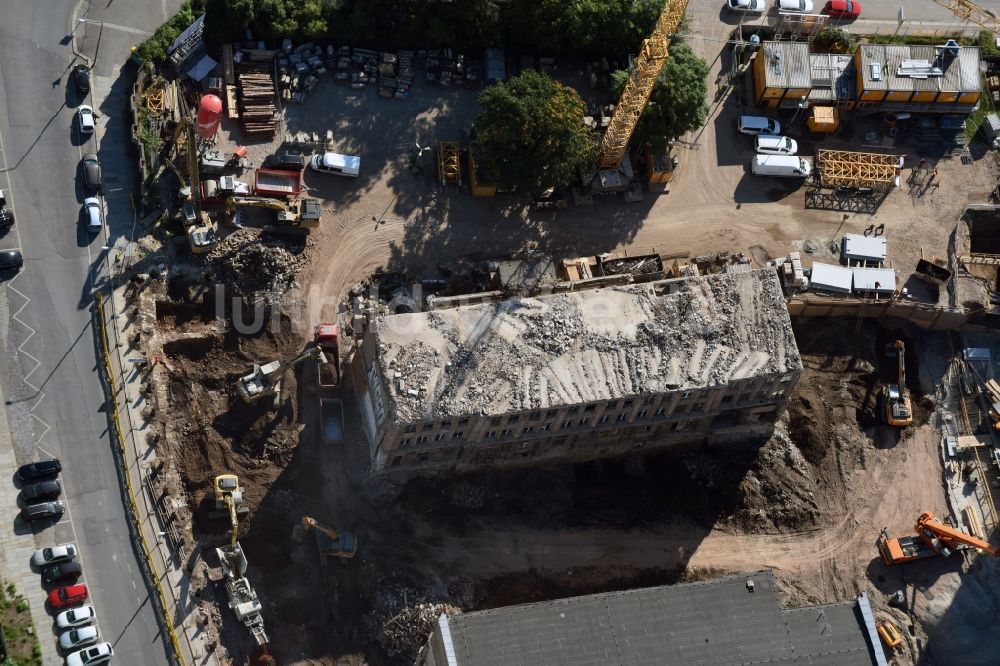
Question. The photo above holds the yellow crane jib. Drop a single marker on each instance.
(970, 11)
(639, 86)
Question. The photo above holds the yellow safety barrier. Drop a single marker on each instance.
(119, 437)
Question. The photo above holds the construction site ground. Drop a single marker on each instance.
(808, 503)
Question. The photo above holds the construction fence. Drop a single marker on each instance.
(144, 554)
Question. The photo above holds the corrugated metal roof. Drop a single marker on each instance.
(711, 622)
(881, 63)
(858, 247)
(865, 279)
(787, 65)
(827, 277)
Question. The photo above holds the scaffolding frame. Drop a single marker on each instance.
(850, 201)
(449, 162)
(843, 168)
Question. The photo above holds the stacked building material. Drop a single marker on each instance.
(256, 100)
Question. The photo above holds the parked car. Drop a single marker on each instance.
(81, 75)
(78, 638)
(63, 552)
(43, 490)
(42, 511)
(289, 159)
(71, 595)
(747, 6)
(758, 125)
(92, 205)
(842, 9)
(85, 116)
(76, 617)
(11, 260)
(91, 172)
(337, 164)
(98, 654)
(797, 6)
(770, 144)
(39, 470)
(58, 572)
(6, 218)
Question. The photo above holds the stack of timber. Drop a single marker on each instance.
(255, 87)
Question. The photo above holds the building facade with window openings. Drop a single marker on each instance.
(579, 375)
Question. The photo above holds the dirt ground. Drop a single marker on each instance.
(808, 503)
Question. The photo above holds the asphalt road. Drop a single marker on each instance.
(53, 394)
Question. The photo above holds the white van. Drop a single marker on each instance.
(780, 165)
(768, 144)
(337, 164)
(759, 125)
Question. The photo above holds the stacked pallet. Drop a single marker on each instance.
(255, 92)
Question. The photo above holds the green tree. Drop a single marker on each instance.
(678, 103)
(531, 132)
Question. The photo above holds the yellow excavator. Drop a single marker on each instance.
(330, 542)
(303, 212)
(243, 598)
(896, 397)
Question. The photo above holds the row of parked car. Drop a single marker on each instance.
(775, 154)
(79, 637)
(837, 9)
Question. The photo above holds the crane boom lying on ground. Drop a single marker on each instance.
(970, 11)
(933, 538)
(639, 86)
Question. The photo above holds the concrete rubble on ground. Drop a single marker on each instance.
(407, 631)
(256, 265)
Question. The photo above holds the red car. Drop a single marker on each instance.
(71, 595)
(842, 9)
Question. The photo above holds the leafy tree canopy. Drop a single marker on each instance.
(531, 132)
(678, 103)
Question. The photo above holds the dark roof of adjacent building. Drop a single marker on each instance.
(713, 622)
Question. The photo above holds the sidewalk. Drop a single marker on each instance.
(140, 461)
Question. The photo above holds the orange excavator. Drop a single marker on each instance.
(933, 538)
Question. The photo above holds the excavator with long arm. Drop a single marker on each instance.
(933, 538)
(896, 397)
(330, 542)
(265, 380)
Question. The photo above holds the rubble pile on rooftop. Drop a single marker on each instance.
(407, 631)
(535, 353)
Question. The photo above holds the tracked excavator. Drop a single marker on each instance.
(329, 542)
(265, 380)
(302, 212)
(933, 538)
(243, 599)
(896, 397)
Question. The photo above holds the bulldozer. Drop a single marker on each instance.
(896, 397)
(933, 538)
(265, 380)
(243, 600)
(329, 542)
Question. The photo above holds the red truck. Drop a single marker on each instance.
(277, 183)
(331, 409)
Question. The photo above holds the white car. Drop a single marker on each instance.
(747, 6)
(98, 654)
(93, 207)
(768, 144)
(85, 116)
(79, 637)
(63, 552)
(76, 617)
(797, 6)
(337, 164)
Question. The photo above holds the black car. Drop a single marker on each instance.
(42, 511)
(10, 260)
(91, 172)
(39, 470)
(81, 74)
(59, 572)
(6, 218)
(289, 159)
(43, 490)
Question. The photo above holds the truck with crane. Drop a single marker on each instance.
(896, 397)
(933, 538)
(243, 600)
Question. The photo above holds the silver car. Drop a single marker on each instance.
(93, 207)
(79, 637)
